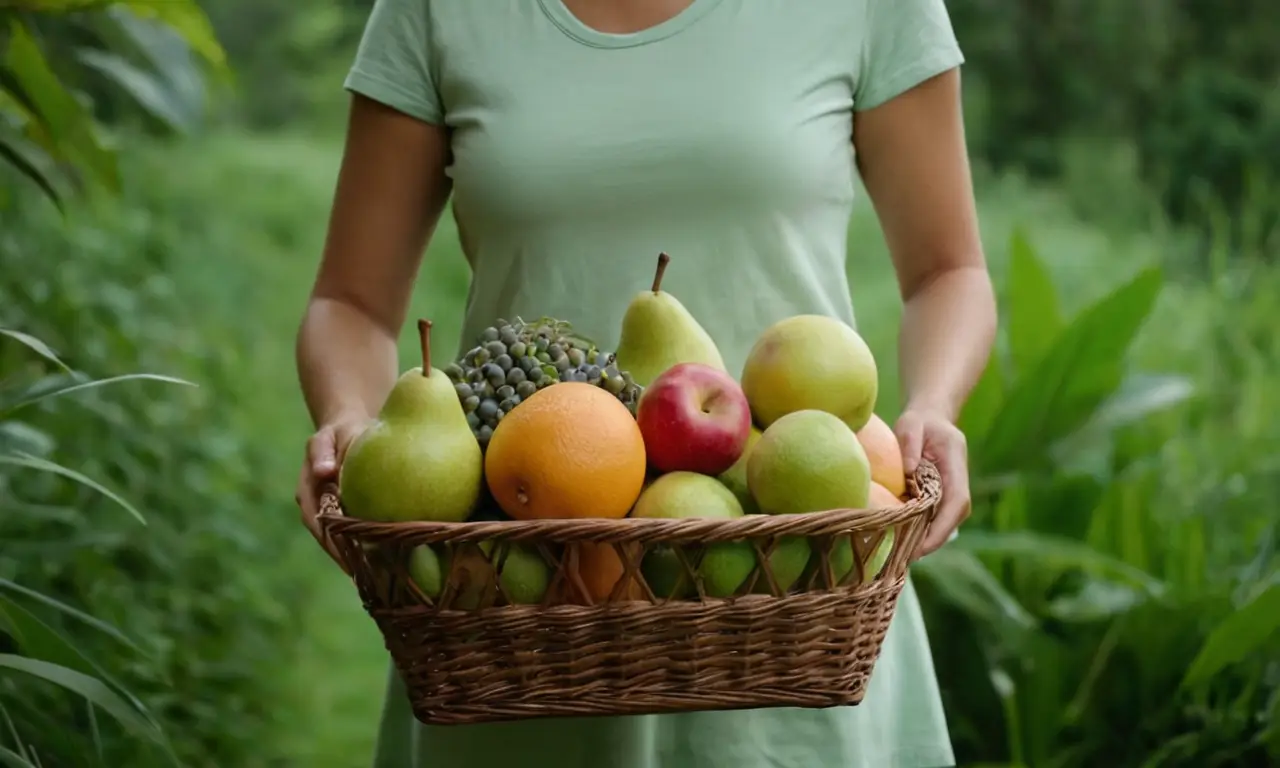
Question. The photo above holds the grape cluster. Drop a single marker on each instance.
(515, 360)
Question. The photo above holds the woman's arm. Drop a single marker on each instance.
(390, 194)
(914, 162)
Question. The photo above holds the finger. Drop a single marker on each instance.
(345, 435)
(322, 453)
(910, 432)
(955, 505)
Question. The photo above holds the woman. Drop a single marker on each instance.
(579, 138)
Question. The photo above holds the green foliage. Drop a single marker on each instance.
(1189, 83)
(43, 652)
(1102, 629)
(57, 52)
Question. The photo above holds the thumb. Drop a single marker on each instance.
(322, 453)
(910, 432)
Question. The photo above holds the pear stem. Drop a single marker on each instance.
(663, 261)
(424, 333)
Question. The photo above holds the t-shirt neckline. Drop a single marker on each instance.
(572, 26)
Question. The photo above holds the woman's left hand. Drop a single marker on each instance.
(931, 435)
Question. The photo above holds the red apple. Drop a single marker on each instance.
(694, 418)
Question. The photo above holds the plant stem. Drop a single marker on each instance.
(424, 333)
(663, 261)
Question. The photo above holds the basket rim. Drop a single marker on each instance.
(924, 489)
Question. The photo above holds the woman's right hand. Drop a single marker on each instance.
(325, 451)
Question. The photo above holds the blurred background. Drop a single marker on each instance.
(165, 175)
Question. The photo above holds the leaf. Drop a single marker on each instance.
(90, 384)
(964, 581)
(1140, 396)
(43, 465)
(90, 688)
(35, 345)
(39, 641)
(69, 126)
(14, 155)
(1080, 371)
(984, 401)
(1240, 634)
(187, 19)
(24, 437)
(1055, 552)
(146, 89)
(1035, 317)
(61, 607)
(11, 758)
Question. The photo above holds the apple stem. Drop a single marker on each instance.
(663, 261)
(424, 333)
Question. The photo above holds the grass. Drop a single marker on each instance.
(330, 697)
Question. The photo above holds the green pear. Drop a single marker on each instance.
(659, 332)
(811, 362)
(425, 570)
(808, 461)
(735, 477)
(419, 460)
(723, 567)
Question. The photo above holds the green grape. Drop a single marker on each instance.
(541, 344)
(555, 351)
(454, 372)
(484, 435)
(507, 335)
(576, 357)
(543, 357)
(463, 390)
(473, 421)
(496, 348)
(562, 364)
(594, 372)
(508, 404)
(614, 384)
(526, 388)
(479, 357)
(471, 403)
(489, 334)
(495, 375)
(550, 371)
(515, 376)
(505, 391)
(504, 361)
(517, 349)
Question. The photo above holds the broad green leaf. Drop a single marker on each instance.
(62, 607)
(1247, 630)
(1096, 601)
(984, 401)
(1035, 317)
(188, 20)
(964, 582)
(42, 465)
(1076, 375)
(1142, 395)
(90, 384)
(1055, 552)
(69, 126)
(35, 345)
(90, 688)
(145, 88)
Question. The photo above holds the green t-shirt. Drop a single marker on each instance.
(723, 137)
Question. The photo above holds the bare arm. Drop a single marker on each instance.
(914, 163)
(391, 191)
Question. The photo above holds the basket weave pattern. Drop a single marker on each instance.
(637, 652)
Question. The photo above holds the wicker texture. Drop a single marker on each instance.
(812, 646)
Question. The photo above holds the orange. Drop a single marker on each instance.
(600, 568)
(885, 454)
(571, 450)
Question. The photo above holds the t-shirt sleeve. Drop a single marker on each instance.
(393, 63)
(904, 43)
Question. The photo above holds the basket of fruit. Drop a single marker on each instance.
(543, 528)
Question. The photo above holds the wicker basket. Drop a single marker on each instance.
(814, 646)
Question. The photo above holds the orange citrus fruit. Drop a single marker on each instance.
(571, 450)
